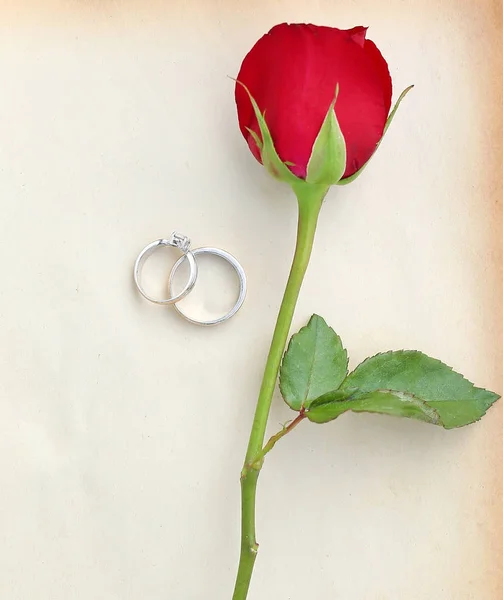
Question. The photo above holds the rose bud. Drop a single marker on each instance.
(314, 102)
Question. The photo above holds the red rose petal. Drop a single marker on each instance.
(292, 72)
(381, 66)
(357, 34)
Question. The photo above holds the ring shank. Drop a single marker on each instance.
(144, 255)
(241, 277)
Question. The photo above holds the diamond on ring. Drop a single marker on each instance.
(180, 241)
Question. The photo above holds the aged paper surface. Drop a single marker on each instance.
(123, 428)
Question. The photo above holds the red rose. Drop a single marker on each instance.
(303, 77)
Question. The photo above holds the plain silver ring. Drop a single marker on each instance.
(177, 241)
(242, 285)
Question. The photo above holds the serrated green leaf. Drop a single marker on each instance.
(456, 400)
(386, 402)
(314, 364)
(270, 159)
(352, 177)
(327, 162)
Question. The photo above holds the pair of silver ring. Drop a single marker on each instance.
(182, 243)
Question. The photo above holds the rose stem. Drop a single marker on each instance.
(310, 198)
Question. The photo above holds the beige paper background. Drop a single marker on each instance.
(122, 428)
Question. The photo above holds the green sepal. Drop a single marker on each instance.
(314, 364)
(255, 137)
(327, 162)
(352, 177)
(270, 159)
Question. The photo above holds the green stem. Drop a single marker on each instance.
(310, 199)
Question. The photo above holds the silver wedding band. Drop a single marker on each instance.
(182, 243)
(241, 277)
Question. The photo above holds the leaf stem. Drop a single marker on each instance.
(310, 199)
(277, 436)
